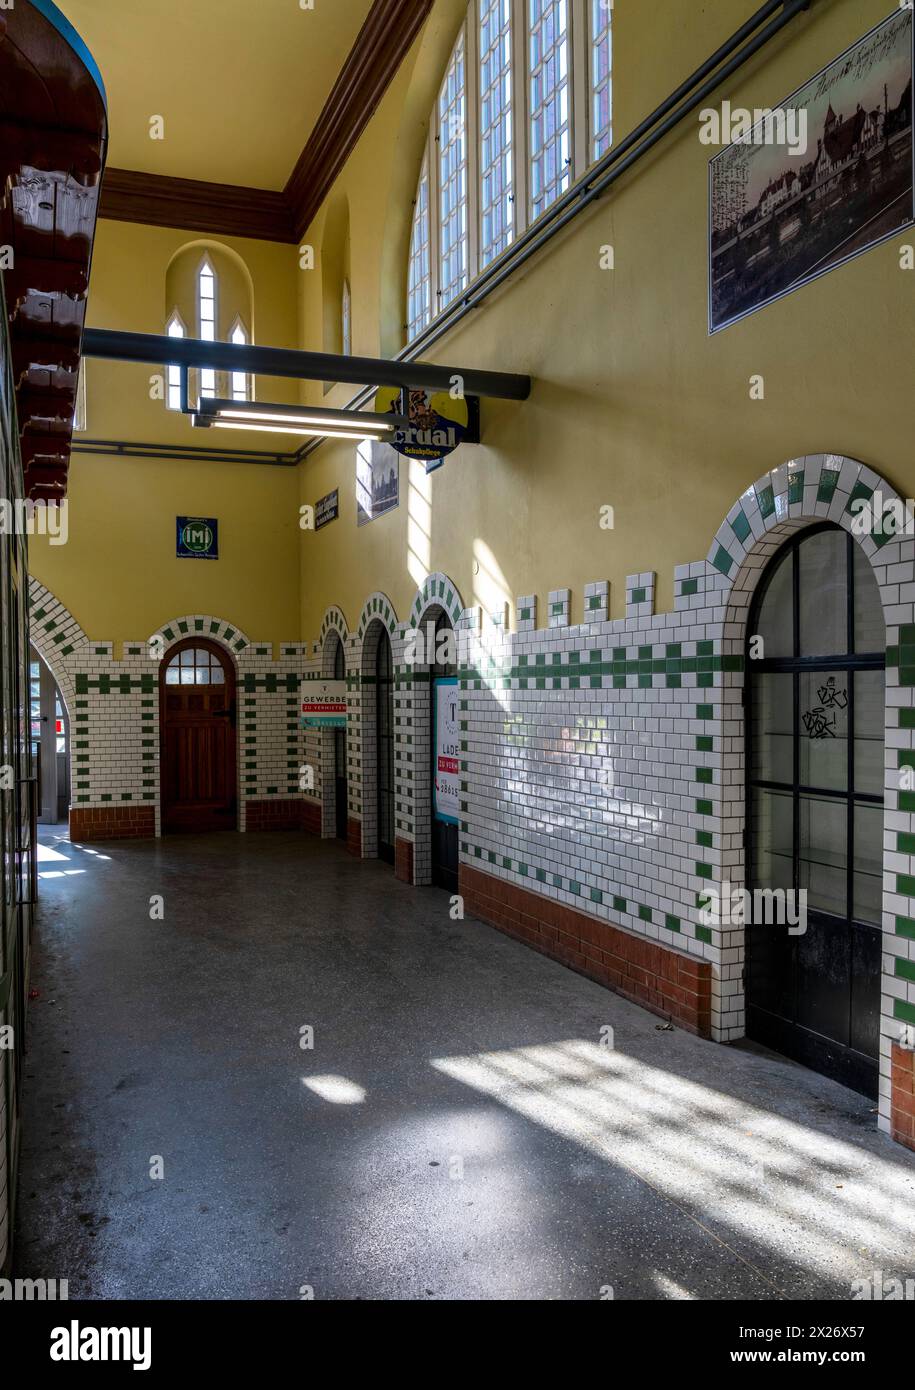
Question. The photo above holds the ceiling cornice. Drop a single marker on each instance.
(380, 48)
(231, 210)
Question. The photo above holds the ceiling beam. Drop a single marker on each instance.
(233, 210)
(225, 209)
(303, 366)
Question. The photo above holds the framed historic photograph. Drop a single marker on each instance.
(782, 212)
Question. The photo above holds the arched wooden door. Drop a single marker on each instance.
(197, 733)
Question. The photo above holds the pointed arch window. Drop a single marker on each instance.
(346, 319)
(240, 382)
(175, 329)
(206, 320)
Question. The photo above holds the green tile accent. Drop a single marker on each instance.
(704, 870)
(905, 884)
(703, 808)
(829, 479)
(905, 843)
(704, 934)
(671, 922)
(637, 596)
(860, 492)
(619, 904)
(903, 1011)
(905, 969)
(766, 499)
(705, 711)
(688, 587)
(704, 838)
(645, 913)
(796, 486)
(905, 926)
(703, 743)
(740, 526)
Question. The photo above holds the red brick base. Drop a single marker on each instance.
(311, 817)
(123, 822)
(667, 982)
(354, 837)
(275, 814)
(903, 1096)
(403, 860)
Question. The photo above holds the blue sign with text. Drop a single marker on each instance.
(197, 538)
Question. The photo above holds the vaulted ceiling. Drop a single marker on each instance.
(240, 83)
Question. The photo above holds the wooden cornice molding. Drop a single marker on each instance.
(225, 209)
(231, 210)
(381, 46)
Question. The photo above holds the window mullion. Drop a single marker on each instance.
(521, 133)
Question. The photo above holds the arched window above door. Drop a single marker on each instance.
(195, 666)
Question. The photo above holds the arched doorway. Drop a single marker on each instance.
(384, 745)
(444, 754)
(815, 772)
(50, 733)
(197, 736)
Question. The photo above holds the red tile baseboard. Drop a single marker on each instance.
(667, 982)
(112, 822)
(903, 1096)
(275, 814)
(354, 837)
(311, 816)
(403, 860)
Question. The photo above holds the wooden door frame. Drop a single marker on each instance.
(227, 662)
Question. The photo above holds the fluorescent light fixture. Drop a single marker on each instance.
(311, 431)
(288, 419)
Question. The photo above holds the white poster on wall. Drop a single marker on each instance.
(447, 800)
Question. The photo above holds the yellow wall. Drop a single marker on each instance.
(633, 404)
(118, 573)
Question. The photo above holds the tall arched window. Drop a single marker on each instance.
(206, 320)
(452, 177)
(524, 108)
(419, 303)
(175, 329)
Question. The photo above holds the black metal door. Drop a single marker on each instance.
(815, 720)
(384, 694)
(340, 788)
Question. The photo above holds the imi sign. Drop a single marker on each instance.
(197, 538)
